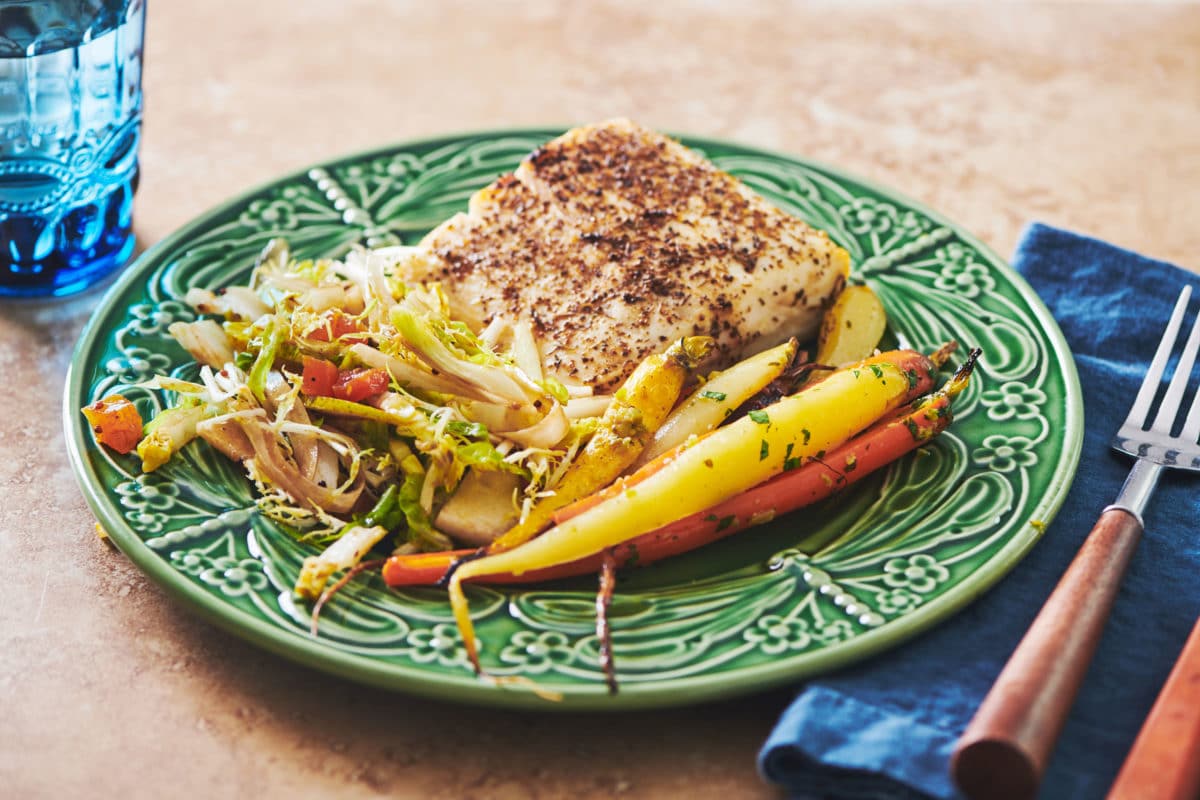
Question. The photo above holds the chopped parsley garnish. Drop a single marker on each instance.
(790, 463)
(760, 417)
(806, 434)
(764, 450)
(726, 522)
(711, 395)
(877, 370)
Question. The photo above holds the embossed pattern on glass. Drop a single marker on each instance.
(70, 111)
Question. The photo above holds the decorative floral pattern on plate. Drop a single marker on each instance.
(806, 592)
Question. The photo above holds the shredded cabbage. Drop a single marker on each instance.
(357, 403)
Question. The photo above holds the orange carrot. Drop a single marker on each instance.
(421, 569)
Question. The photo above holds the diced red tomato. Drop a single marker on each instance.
(359, 384)
(321, 378)
(318, 377)
(335, 325)
(115, 422)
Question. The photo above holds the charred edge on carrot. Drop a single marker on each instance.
(444, 581)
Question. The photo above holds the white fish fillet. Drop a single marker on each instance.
(614, 240)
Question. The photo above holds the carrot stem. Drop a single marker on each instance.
(608, 585)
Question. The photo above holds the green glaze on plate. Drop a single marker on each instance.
(809, 592)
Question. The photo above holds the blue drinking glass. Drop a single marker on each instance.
(70, 114)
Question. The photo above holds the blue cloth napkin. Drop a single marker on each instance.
(885, 729)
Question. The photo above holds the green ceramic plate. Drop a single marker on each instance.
(807, 593)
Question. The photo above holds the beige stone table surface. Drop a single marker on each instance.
(1080, 115)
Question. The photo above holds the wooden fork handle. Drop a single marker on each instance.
(1004, 750)
(1164, 763)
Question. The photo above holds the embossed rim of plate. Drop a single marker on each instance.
(467, 689)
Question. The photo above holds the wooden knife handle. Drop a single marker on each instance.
(1164, 763)
(1004, 750)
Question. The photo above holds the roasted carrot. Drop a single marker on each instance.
(808, 483)
(732, 460)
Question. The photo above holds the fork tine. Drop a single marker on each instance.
(1169, 410)
(1191, 427)
(1141, 404)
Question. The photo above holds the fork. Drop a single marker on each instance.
(1004, 750)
